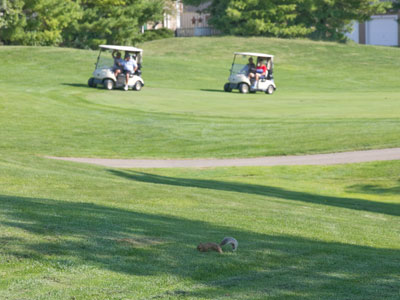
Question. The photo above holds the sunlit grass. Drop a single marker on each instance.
(74, 231)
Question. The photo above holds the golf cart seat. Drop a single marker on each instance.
(269, 75)
(139, 70)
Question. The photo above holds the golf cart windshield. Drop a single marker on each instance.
(240, 64)
(105, 60)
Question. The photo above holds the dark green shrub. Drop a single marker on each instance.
(157, 34)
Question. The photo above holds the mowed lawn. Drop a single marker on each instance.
(330, 97)
(75, 231)
(70, 231)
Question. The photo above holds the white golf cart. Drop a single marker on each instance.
(240, 79)
(104, 75)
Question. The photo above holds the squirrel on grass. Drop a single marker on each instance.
(204, 247)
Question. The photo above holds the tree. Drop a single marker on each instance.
(112, 22)
(256, 17)
(77, 23)
(37, 22)
(333, 18)
(3, 8)
(322, 19)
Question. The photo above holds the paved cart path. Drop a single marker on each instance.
(314, 159)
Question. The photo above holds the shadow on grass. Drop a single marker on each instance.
(77, 85)
(213, 90)
(350, 203)
(69, 234)
(65, 235)
(373, 189)
(99, 86)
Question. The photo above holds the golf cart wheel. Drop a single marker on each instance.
(270, 89)
(227, 87)
(108, 84)
(138, 86)
(91, 82)
(244, 88)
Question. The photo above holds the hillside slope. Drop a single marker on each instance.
(330, 97)
(300, 65)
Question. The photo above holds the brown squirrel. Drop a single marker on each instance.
(204, 247)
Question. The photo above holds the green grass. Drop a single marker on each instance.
(330, 98)
(69, 230)
(75, 231)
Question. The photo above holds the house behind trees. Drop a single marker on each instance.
(187, 20)
(383, 30)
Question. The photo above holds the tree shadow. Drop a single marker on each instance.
(373, 189)
(133, 243)
(270, 191)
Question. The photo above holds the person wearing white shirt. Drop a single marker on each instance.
(130, 66)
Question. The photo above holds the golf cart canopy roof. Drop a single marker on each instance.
(254, 54)
(121, 48)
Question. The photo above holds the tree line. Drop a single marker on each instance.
(319, 19)
(88, 23)
(77, 23)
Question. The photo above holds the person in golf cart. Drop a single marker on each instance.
(242, 79)
(129, 66)
(261, 71)
(118, 62)
(250, 69)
